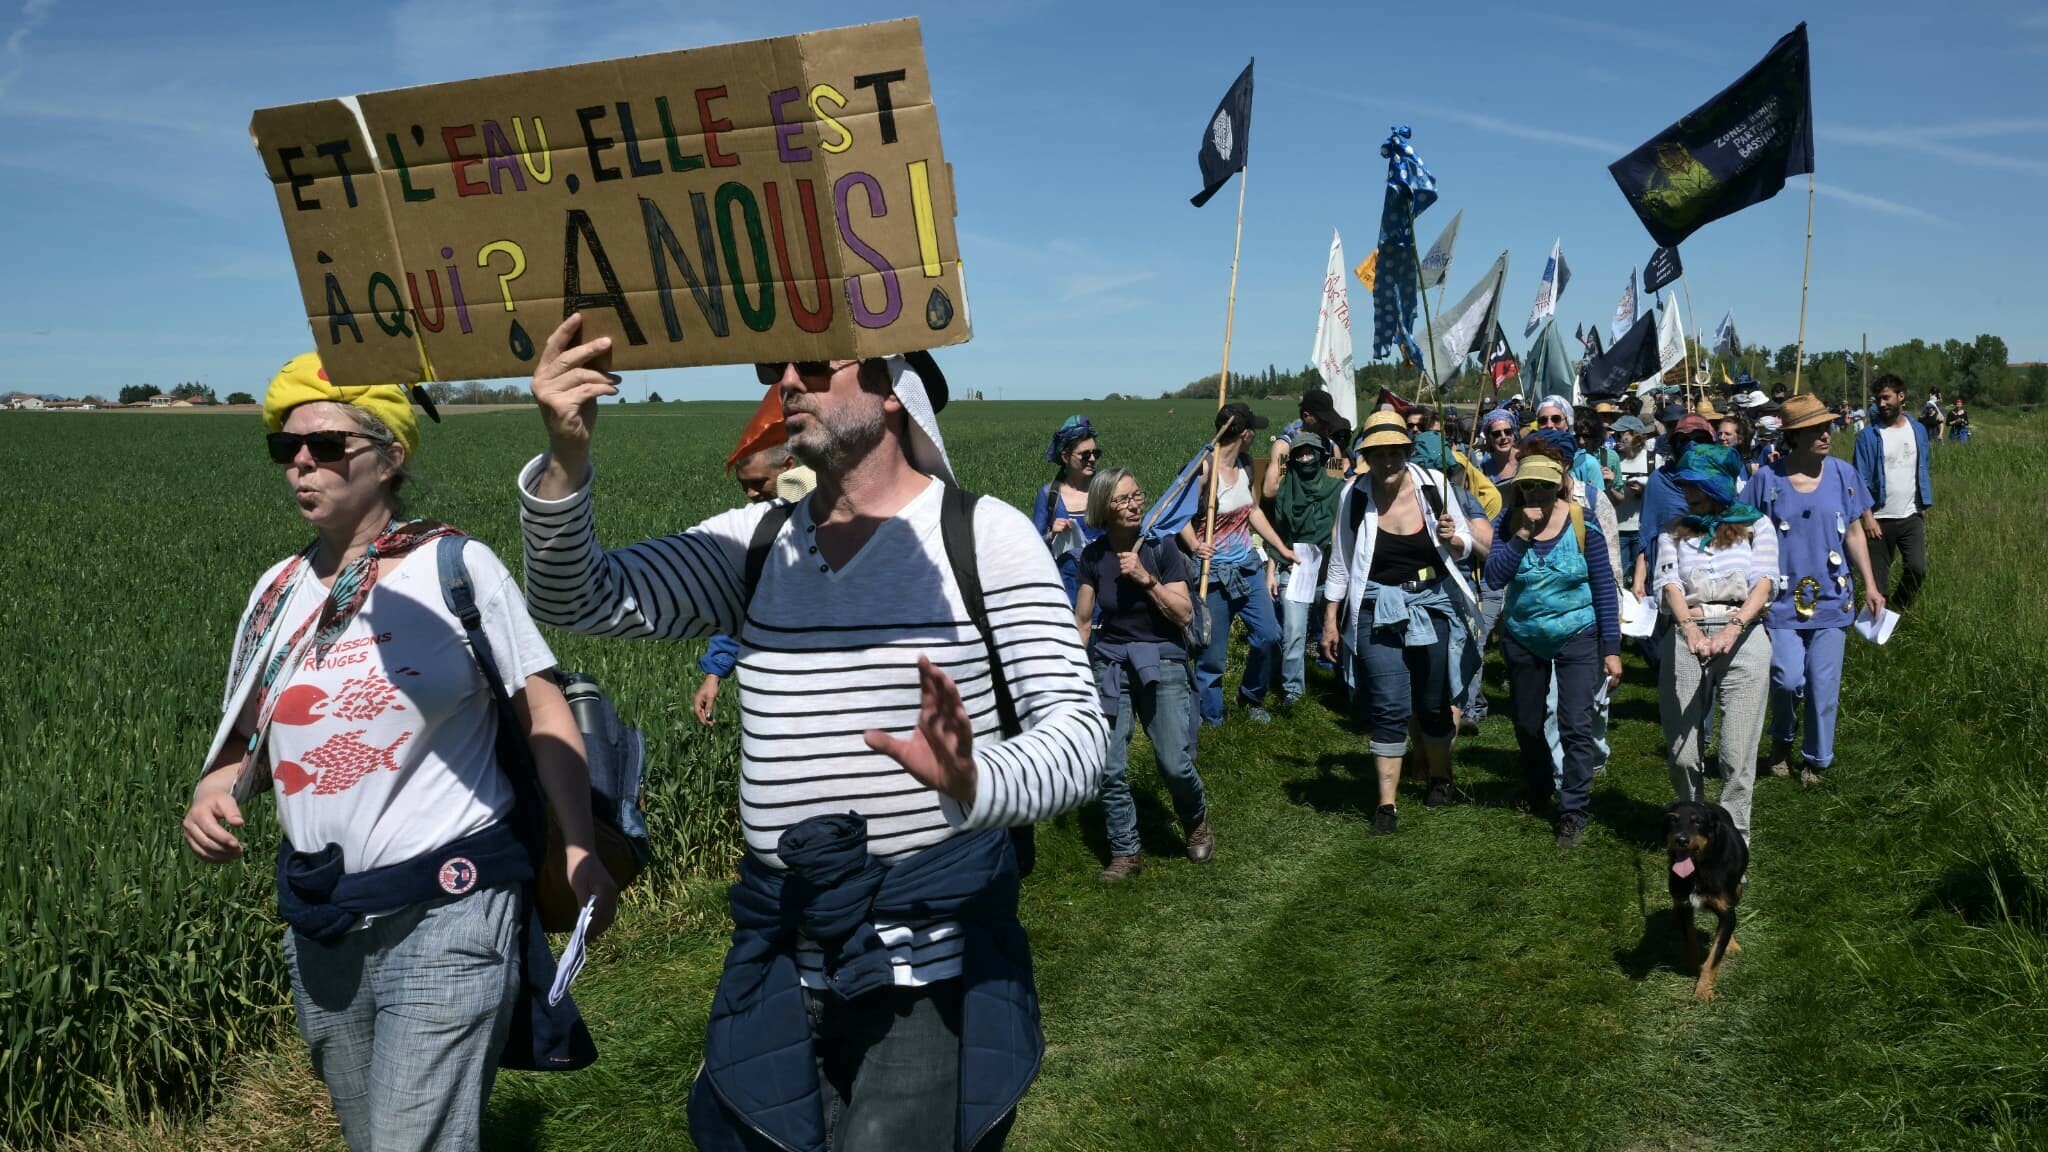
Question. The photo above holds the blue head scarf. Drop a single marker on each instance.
(1075, 430)
(1563, 439)
(1501, 415)
(1715, 469)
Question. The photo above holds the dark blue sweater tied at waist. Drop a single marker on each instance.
(760, 1074)
(316, 897)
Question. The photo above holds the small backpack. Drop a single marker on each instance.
(956, 529)
(616, 754)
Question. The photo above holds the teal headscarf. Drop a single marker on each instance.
(1429, 452)
(1715, 469)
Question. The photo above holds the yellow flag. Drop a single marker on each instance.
(1724, 376)
(1368, 269)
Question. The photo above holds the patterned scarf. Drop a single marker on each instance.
(351, 591)
(1713, 469)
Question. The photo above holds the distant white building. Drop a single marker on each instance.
(161, 401)
(24, 400)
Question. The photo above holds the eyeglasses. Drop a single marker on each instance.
(1128, 500)
(807, 369)
(1536, 487)
(326, 447)
(1090, 455)
(1553, 421)
(1500, 431)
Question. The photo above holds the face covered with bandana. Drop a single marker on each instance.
(1306, 461)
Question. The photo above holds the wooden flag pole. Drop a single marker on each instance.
(1244, 176)
(1862, 362)
(1804, 274)
(1693, 318)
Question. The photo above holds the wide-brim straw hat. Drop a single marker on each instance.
(1804, 411)
(1385, 430)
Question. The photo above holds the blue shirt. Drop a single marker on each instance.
(1813, 542)
(1870, 463)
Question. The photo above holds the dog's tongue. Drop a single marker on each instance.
(1682, 867)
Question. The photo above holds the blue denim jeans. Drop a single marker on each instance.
(1576, 673)
(1807, 663)
(1397, 681)
(1242, 594)
(1294, 640)
(1162, 707)
(406, 1016)
(889, 1070)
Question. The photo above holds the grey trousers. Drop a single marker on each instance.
(1740, 683)
(406, 1018)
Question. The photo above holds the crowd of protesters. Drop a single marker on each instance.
(924, 675)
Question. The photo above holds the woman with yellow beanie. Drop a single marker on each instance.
(408, 842)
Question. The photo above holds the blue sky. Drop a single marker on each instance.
(143, 243)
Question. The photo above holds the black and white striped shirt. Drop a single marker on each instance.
(827, 655)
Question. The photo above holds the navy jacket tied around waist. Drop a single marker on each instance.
(760, 1074)
(316, 897)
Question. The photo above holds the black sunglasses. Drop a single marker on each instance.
(1090, 454)
(326, 447)
(810, 369)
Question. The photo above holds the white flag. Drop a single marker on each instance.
(1468, 322)
(1670, 340)
(1437, 264)
(1625, 312)
(1332, 354)
(1555, 276)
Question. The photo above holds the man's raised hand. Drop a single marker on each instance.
(939, 752)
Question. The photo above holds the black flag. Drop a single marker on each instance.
(1633, 358)
(1735, 150)
(1227, 139)
(1662, 269)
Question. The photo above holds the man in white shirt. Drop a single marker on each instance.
(1891, 458)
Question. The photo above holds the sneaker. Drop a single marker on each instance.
(1780, 762)
(1570, 827)
(1384, 820)
(1440, 794)
(1201, 842)
(1121, 868)
(1257, 715)
(1809, 776)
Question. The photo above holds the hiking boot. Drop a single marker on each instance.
(1809, 775)
(1570, 828)
(1384, 820)
(1201, 842)
(1468, 724)
(1257, 715)
(1440, 794)
(1780, 762)
(1121, 868)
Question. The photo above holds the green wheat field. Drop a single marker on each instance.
(1463, 984)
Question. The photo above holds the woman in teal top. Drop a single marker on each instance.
(1562, 617)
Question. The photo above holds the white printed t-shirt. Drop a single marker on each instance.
(1901, 472)
(386, 747)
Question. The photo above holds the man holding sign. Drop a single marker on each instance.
(876, 938)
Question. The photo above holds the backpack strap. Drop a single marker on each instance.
(1579, 524)
(956, 528)
(514, 754)
(765, 533)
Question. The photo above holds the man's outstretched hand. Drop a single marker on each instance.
(939, 752)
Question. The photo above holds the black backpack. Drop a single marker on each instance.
(956, 529)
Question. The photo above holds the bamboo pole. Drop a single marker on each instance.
(1244, 176)
(1804, 275)
(1692, 318)
(1862, 362)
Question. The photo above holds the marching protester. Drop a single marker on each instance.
(1478, 503)
(1633, 476)
(1560, 623)
(875, 930)
(1892, 459)
(1499, 430)
(1393, 583)
(1931, 417)
(1958, 421)
(1303, 511)
(1498, 464)
(1319, 421)
(1716, 566)
(406, 837)
(1816, 503)
(1061, 511)
(1554, 414)
(765, 473)
(1134, 603)
(1241, 582)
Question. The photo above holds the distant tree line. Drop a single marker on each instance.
(1979, 369)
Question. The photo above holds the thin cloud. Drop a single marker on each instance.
(1481, 121)
(1625, 34)
(14, 55)
(1877, 203)
(1930, 142)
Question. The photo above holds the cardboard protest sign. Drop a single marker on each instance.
(779, 199)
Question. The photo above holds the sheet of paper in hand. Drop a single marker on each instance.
(781, 199)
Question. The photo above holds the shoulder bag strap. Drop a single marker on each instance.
(515, 756)
(765, 533)
(956, 528)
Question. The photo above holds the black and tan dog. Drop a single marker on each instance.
(1708, 863)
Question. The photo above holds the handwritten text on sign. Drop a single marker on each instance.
(779, 199)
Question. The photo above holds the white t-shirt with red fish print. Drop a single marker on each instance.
(385, 746)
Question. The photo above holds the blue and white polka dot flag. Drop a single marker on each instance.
(1410, 190)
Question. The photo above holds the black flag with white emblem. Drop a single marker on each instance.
(1227, 139)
